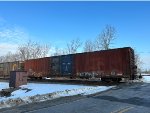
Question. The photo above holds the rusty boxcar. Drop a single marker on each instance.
(6, 67)
(106, 64)
(38, 67)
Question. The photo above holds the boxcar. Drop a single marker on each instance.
(6, 67)
(106, 64)
(38, 67)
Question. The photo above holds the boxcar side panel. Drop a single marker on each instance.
(1, 69)
(38, 67)
(6, 69)
(66, 63)
(55, 66)
(107, 63)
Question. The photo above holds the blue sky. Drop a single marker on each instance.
(60, 22)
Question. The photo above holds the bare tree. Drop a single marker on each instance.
(105, 38)
(1, 59)
(89, 46)
(26, 51)
(138, 62)
(45, 50)
(59, 51)
(32, 50)
(73, 46)
(10, 57)
(23, 52)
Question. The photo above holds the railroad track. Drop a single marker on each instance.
(69, 81)
(78, 81)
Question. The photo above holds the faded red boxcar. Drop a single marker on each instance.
(38, 67)
(113, 63)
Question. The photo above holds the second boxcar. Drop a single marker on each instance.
(38, 68)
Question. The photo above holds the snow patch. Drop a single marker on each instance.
(146, 79)
(33, 92)
(4, 85)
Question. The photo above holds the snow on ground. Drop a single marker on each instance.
(146, 79)
(145, 74)
(4, 85)
(33, 92)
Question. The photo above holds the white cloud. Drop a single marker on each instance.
(11, 36)
(6, 47)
